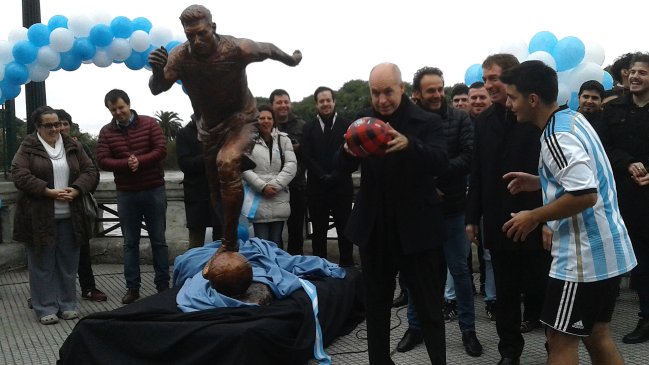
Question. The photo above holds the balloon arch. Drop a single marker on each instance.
(66, 43)
(575, 62)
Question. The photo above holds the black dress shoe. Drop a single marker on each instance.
(131, 296)
(472, 346)
(409, 340)
(509, 361)
(401, 300)
(640, 333)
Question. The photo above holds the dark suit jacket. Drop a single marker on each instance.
(189, 150)
(320, 159)
(398, 190)
(502, 145)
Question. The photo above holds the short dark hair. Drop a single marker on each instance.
(267, 108)
(592, 85)
(533, 77)
(459, 89)
(321, 89)
(278, 92)
(639, 57)
(504, 60)
(416, 80)
(37, 115)
(623, 62)
(114, 95)
(195, 13)
(63, 115)
(476, 85)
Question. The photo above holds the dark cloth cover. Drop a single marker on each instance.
(154, 331)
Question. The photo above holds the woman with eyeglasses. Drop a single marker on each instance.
(276, 166)
(51, 172)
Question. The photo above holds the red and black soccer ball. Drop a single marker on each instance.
(368, 136)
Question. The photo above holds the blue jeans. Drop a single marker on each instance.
(456, 251)
(270, 231)
(132, 207)
(53, 272)
(489, 282)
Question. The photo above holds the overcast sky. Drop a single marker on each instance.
(340, 40)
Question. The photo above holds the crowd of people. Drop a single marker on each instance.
(553, 198)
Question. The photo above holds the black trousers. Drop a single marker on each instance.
(340, 207)
(86, 276)
(515, 270)
(295, 222)
(422, 273)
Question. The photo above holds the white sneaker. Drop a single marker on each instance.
(49, 319)
(69, 315)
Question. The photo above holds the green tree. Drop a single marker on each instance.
(170, 123)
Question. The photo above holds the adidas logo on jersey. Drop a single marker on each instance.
(578, 325)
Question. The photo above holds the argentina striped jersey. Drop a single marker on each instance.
(594, 244)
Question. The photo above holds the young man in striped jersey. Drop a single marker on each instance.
(586, 234)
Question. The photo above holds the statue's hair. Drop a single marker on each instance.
(195, 13)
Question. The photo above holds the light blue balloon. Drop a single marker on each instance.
(141, 23)
(9, 90)
(542, 41)
(574, 101)
(70, 61)
(39, 34)
(568, 53)
(24, 52)
(16, 74)
(101, 35)
(607, 81)
(84, 49)
(57, 21)
(122, 27)
(136, 60)
(171, 45)
(473, 74)
(146, 58)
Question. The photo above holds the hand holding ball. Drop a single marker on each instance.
(368, 136)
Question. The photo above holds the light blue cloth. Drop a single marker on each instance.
(270, 265)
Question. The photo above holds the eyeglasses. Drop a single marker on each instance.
(50, 125)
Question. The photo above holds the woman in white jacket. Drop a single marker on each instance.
(276, 167)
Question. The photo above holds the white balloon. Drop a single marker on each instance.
(545, 57)
(140, 41)
(101, 17)
(80, 25)
(18, 34)
(102, 58)
(517, 47)
(594, 53)
(48, 58)
(61, 40)
(160, 36)
(120, 49)
(38, 73)
(87, 62)
(2, 73)
(564, 94)
(585, 72)
(182, 37)
(6, 55)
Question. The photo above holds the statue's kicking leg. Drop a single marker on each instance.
(228, 163)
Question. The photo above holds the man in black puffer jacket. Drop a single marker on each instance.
(428, 89)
